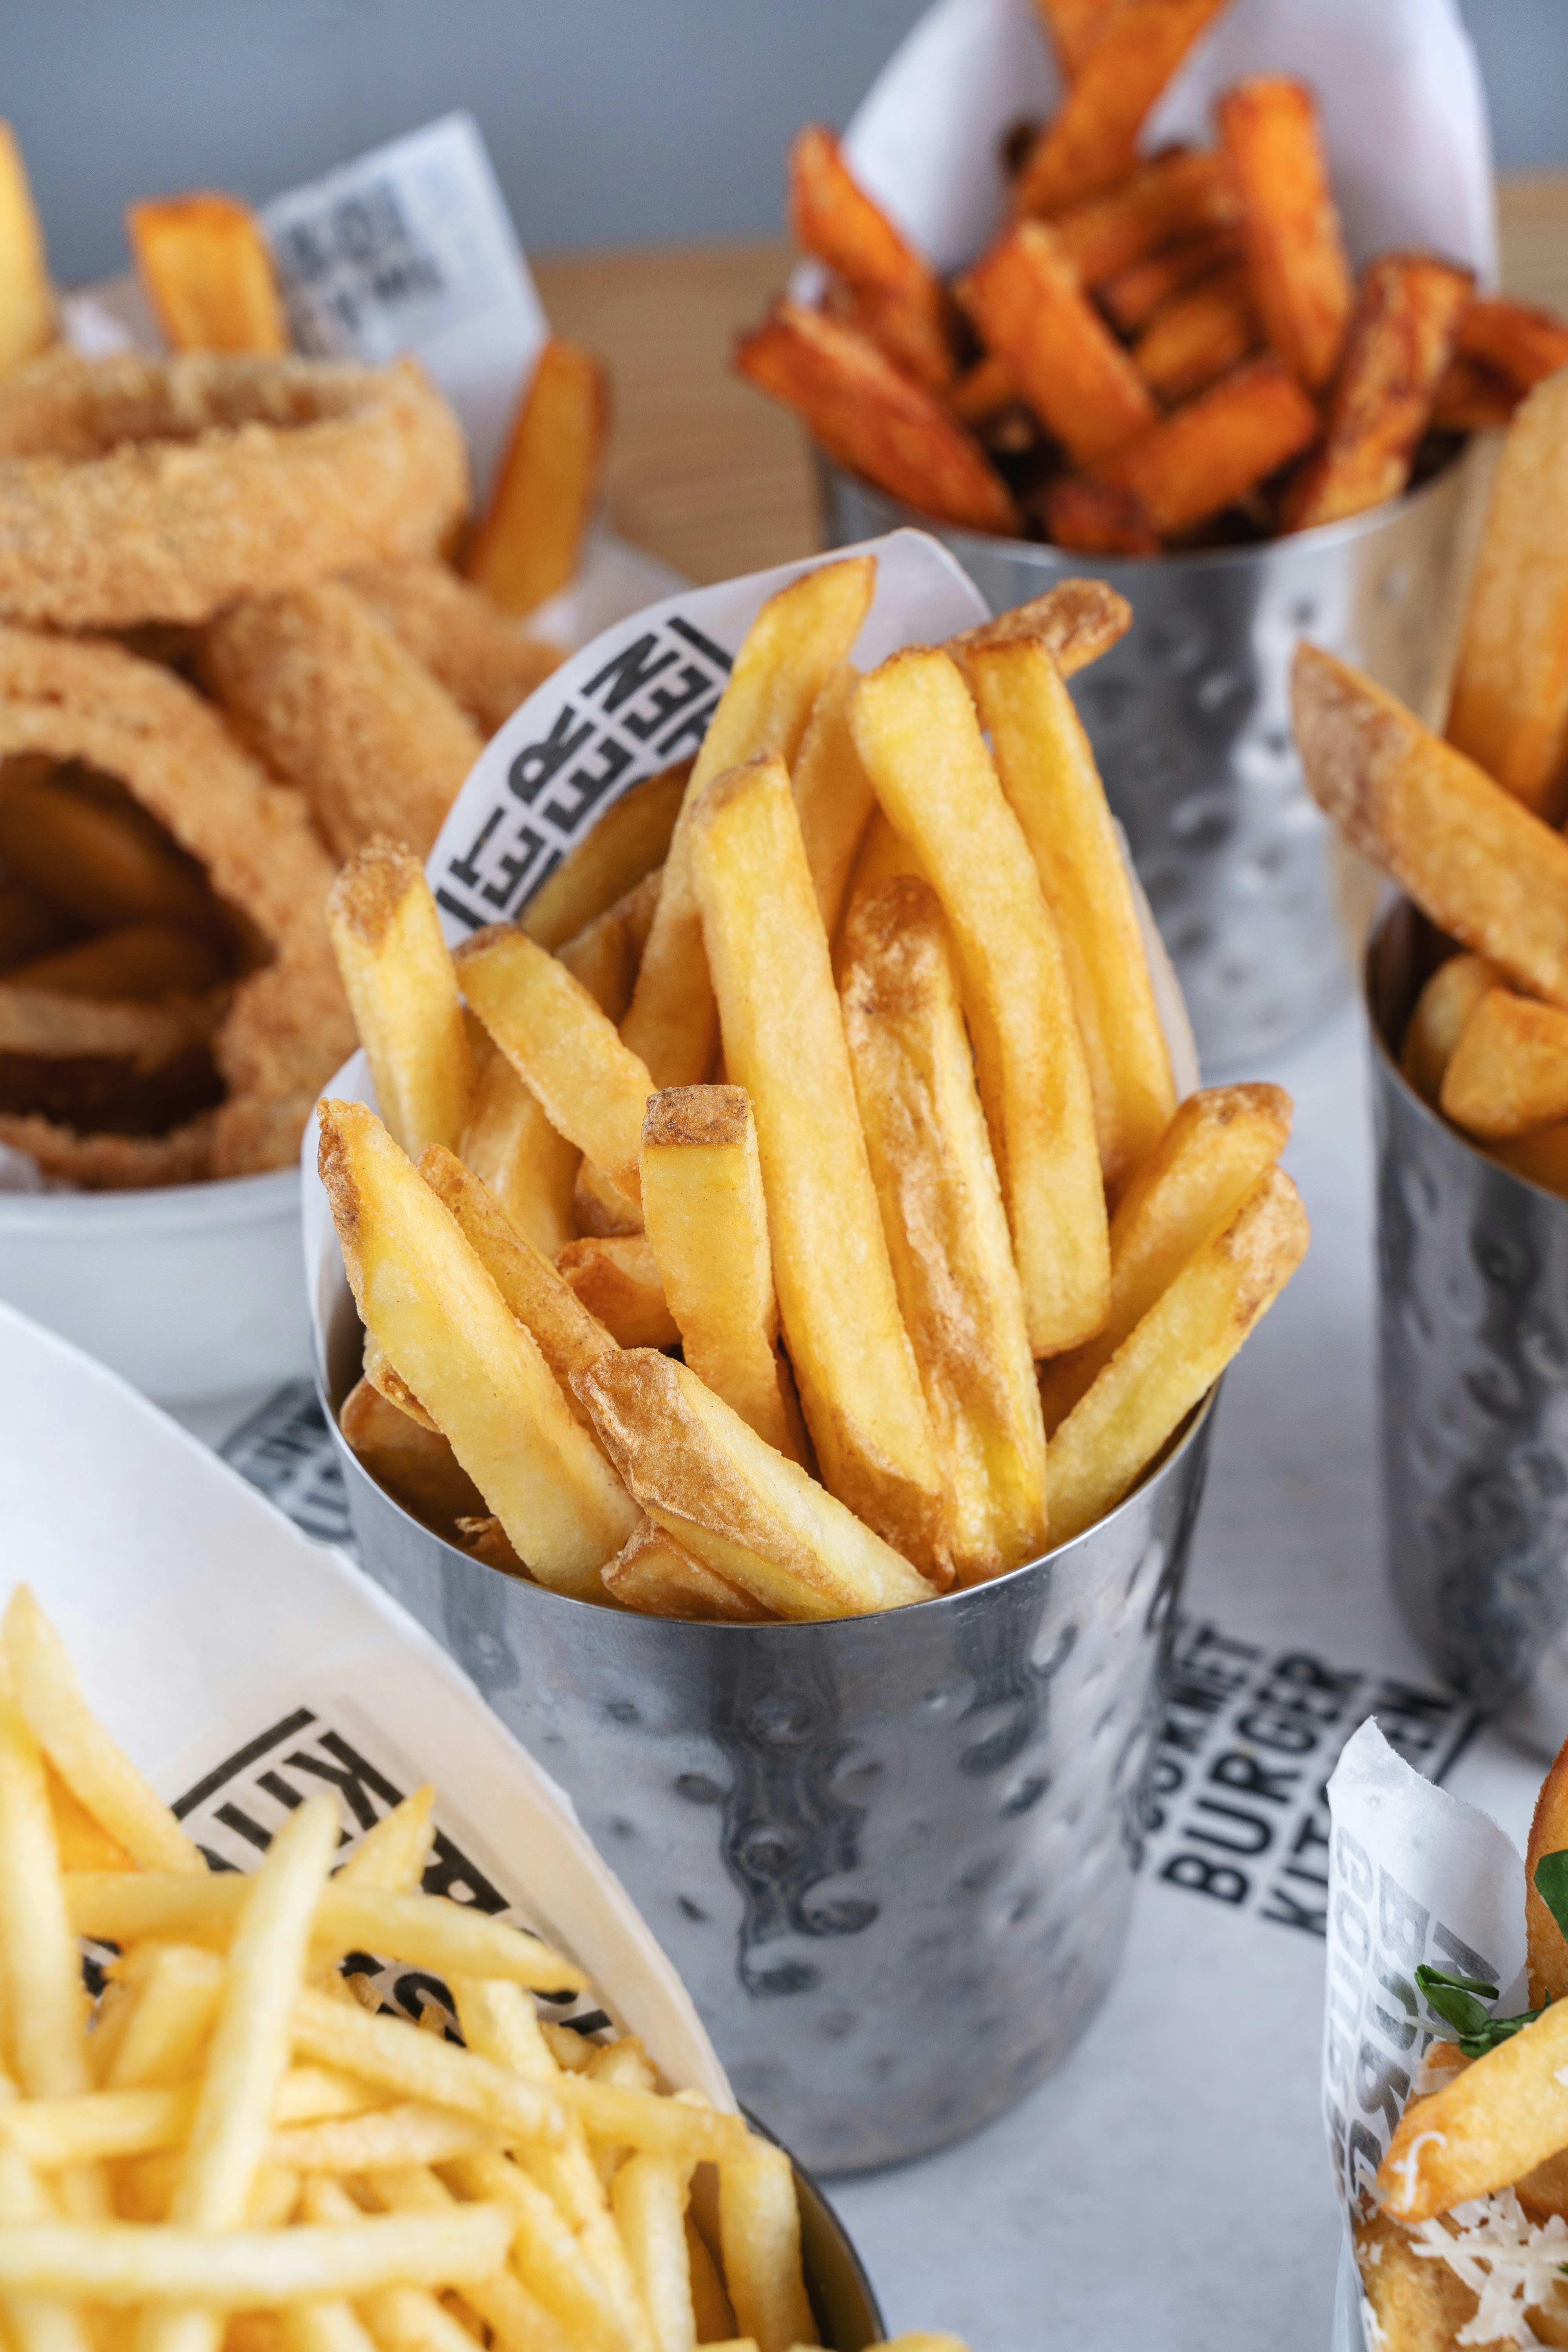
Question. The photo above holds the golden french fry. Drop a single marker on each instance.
(784, 1043)
(1509, 712)
(1027, 301)
(424, 2067)
(1091, 143)
(1296, 261)
(416, 1465)
(627, 842)
(84, 1843)
(1174, 1356)
(1507, 1074)
(1211, 451)
(1471, 856)
(601, 959)
(1548, 1834)
(657, 1577)
(616, 1278)
(1419, 2304)
(1442, 1009)
(407, 2133)
(546, 2251)
(510, 1146)
(530, 540)
(27, 300)
(206, 269)
(601, 1209)
(791, 649)
(171, 1996)
(513, 2318)
(754, 1517)
(1488, 2128)
(389, 1384)
(1217, 1149)
(945, 1225)
(648, 2195)
(1075, 621)
(398, 977)
(1199, 336)
(882, 854)
(592, 1086)
(398, 2314)
(1049, 779)
(427, 1299)
(921, 744)
(53, 2133)
(392, 1857)
(708, 1229)
(123, 2263)
(759, 2224)
(715, 2318)
(832, 795)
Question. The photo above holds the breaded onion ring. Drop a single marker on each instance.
(466, 641)
(287, 1027)
(134, 490)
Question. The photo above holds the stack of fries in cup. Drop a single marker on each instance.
(846, 1051)
(1470, 826)
(1156, 352)
(240, 2148)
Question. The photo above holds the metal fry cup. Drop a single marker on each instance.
(1190, 719)
(1473, 1330)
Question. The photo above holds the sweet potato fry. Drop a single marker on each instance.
(26, 299)
(1093, 519)
(873, 419)
(1219, 446)
(986, 389)
(1182, 194)
(1471, 398)
(1075, 621)
(1130, 298)
(1197, 336)
(1510, 706)
(1401, 340)
(1051, 784)
(1091, 143)
(784, 1041)
(1507, 1072)
(1174, 1356)
(945, 1225)
(511, 1147)
(658, 1578)
(530, 540)
(1548, 1834)
(398, 975)
(1522, 345)
(1217, 1149)
(625, 844)
(1073, 26)
(1476, 862)
(757, 1520)
(424, 1293)
(832, 217)
(617, 1277)
(1541, 1158)
(415, 1466)
(1296, 260)
(832, 795)
(1442, 1009)
(1489, 2126)
(921, 740)
(1025, 298)
(206, 268)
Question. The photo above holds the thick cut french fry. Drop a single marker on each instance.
(832, 795)
(415, 1466)
(707, 1227)
(1075, 621)
(784, 1043)
(398, 977)
(1442, 1009)
(512, 1146)
(833, 217)
(1173, 1356)
(592, 1087)
(1091, 144)
(921, 740)
(873, 419)
(1049, 776)
(984, 390)
(1026, 298)
(486, 1539)
(1073, 26)
(1217, 1149)
(1296, 261)
(600, 1208)
(648, 2194)
(530, 540)
(1548, 1834)
(657, 1577)
(789, 651)
(1510, 706)
(26, 303)
(121, 2262)
(206, 268)
(605, 953)
(1507, 1074)
(945, 1225)
(1522, 345)
(1419, 2305)
(1401, 341)
(760, 2224)
(1471, 398)
(1474, 859)
(616, 1278)
(1179, 195)
(1220, 446)
(754, 1517)
(1197, 336)
(1130, 298)
(1092, 519)
(883, 853)
(625, 844)
(424, 1294)
(1486, 2128)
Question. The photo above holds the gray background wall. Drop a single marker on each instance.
(611, 122)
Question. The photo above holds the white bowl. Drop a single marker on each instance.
(189, 1291)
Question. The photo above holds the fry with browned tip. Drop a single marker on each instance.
(1091, 143)
(659, 1578)
(1027, 301)
(903, 299)
(398, 977)
(206, 269)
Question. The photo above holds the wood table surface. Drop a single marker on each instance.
(717, 480)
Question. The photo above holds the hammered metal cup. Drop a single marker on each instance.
(892, 1856)
(1473, 1324)
(1190, 719)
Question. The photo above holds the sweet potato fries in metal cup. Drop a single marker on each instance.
(793, 1213)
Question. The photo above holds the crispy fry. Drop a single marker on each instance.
(510, 1146)
(1182, 194)
(615, 1278)
(398, 977)
(1174, 1356)
(791, 649)
(603, 958)
(1442, 1009)
(1419, 2305)
(1471, 398)
(761, 2229)
(530, 540)
(832, 795)
(708, 1228)
(1401, 340)
(648, 2194)
(874, 420)
(1217, 448)
(1217, 1149)
(659, 1578)
(206, 268)
(1510, 706)
(462, 636)
(1073, 26)
(487, 1540)
(627, 842)
(1090, 144)
(945, 1225)
(84, 1843)
(1507, 1074)
(1092, 519)
(1049, 776)
(1486, 2128)
(921, 740)
(784, 1041)
(1028, 303)
(757, 1519)
(1197, 336)
(1485, 872)
(1075, 621)
(1132, 297)
(832, 217)
(437, 1313)
(1522, 345)
(1296, 260)
(601, 1209)
(27, 300)
(1548, 1834)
